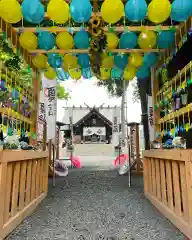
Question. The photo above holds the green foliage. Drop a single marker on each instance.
(61, 93)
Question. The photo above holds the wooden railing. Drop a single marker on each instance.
(23, 185)
(168, 185)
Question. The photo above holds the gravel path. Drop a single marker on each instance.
(96, 205)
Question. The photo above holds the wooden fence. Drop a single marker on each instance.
(23, 185)
(168, 185)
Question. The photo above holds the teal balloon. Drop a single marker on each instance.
(81, 40)
(121, 61)
(143, 72)
(84, 60)
(61, 74)
(181, 10)
(87, 73)
(165, 39)
(54, 60)
(116, 73)
(135, 10)
(150, 59)
(80, 11)
(46, 40)
(128, 40)
(33, 11)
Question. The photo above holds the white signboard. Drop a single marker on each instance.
(150, 118)
(41, 118)
(116, 118)
(50, 101)
(88, 131)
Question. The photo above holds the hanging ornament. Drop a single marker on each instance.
(112, 40)
(129, 72)
(46, 40)
(81, 11)
(40, 61)
(81, 40)
(159, 11)
(84, 60)
(50, 73)
(143, 72)
(107, 61)
(105, 73)
(150, 59)
(135, 10)
(165, 39)
(58, 11)
(112, 11)
(136, 60)
(75, 73)
(64, 40)
(10, 11)
(128, 40)
(147, 39)
(121, 60)
(28, 41)
(181, 10)
(33, 11)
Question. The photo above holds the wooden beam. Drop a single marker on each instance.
(106, 29)
(37, 51)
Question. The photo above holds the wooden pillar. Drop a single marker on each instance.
(57, 143)
(137, 148)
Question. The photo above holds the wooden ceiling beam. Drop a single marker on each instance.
(106, 29)
(60, 51)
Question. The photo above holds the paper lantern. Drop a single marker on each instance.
(10, 11)
(61, 74)
(50, 73)
(70, 60)
(80, 11)
(159, 11)
(143, 72)
(107, 61)
(105, 73)
(75, 73)
(58, 11)
(40, 61)
(84, 60)
(128, 40)
(116, 73)
(181, 10)
(150, 59)
(46, 40)
(33, 11)
(64, 40)
(112, 40)
(129, 73)
(112, 11)
(121, 60)
(54, 60)
(87, 73)
(28, 41)
(136, 60)
(165, 39)
(135, 10)
(147, 39)
(81, 40)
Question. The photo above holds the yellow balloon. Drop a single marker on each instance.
(159, 11)
(70, 60)
(129, 72)
(107, 61)
(136, 60)
(58, 11)
(50, 73)
(40, 61)
(64, 40)
(112, 11)
(147, 39)
(112, 40)
(105, 73)
(28, 40)
(75, 73)
(10, 11)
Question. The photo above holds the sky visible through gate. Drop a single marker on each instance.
(86, 91)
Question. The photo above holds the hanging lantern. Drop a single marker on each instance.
(33, 11)
(128, 40)
(150, 59)
(46, 40)
(105, 73)
(112, 11)
(40, 61)
(147, 39)
(112, 40)
(81, 40)
(64, 40)
(80, 11)
(143, 72)
(10, 11)
(121, 60)
(84, 60)
(135, 10)
(136, 60)
(129, 72)
(181, 10)
(165, 39)
(159, 11)
(28, 41)
(50, 73)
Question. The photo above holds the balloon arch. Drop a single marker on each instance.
(111, 39)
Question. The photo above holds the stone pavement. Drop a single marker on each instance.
(98, 205)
